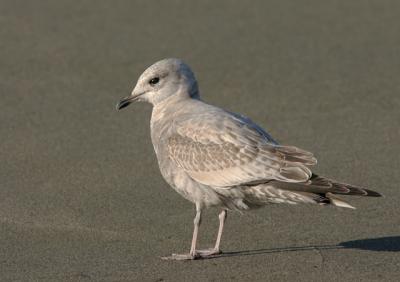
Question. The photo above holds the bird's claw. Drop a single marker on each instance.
(181, 257)
(199, 254)
(208, 252)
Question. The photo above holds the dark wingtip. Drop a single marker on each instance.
(357, 191)
(371, 193)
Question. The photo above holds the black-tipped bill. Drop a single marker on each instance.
(125, 102)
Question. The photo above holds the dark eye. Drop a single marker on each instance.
(154, 81)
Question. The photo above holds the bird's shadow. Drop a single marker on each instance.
(382, 244)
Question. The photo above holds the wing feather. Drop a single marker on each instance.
(226, 150)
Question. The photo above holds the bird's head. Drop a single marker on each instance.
(162, 80)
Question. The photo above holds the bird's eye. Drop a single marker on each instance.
(154, 81)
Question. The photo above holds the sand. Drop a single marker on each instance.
(81, 197)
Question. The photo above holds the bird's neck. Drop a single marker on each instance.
(174, 105)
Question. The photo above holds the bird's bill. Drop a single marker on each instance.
(126, 101)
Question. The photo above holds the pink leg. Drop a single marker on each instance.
(216, 250)
(222, 216)
(193, 253)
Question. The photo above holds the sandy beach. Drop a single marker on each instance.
(81, 196)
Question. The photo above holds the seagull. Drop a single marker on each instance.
(216, 158)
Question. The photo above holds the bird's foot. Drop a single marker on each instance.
(181, 257)
(199, 254)
(208, 252)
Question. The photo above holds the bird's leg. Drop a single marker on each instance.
(193, 253)
(197, 222)
(222, 216)
(216, 250)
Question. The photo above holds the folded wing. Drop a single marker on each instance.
(223, 150)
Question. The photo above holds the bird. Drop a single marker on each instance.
(217, 158)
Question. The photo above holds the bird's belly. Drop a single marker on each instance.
(188, 188)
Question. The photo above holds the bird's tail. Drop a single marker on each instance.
(317, 190)
(326, 191)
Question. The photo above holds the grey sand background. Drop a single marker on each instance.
(81, 197)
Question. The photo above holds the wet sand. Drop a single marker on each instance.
(81, 197)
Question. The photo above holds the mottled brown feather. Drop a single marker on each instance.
(227, 152)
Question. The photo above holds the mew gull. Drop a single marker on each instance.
(214, 157)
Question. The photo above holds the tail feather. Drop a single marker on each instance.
(336, 201)
(326, 190)
(320, 185)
